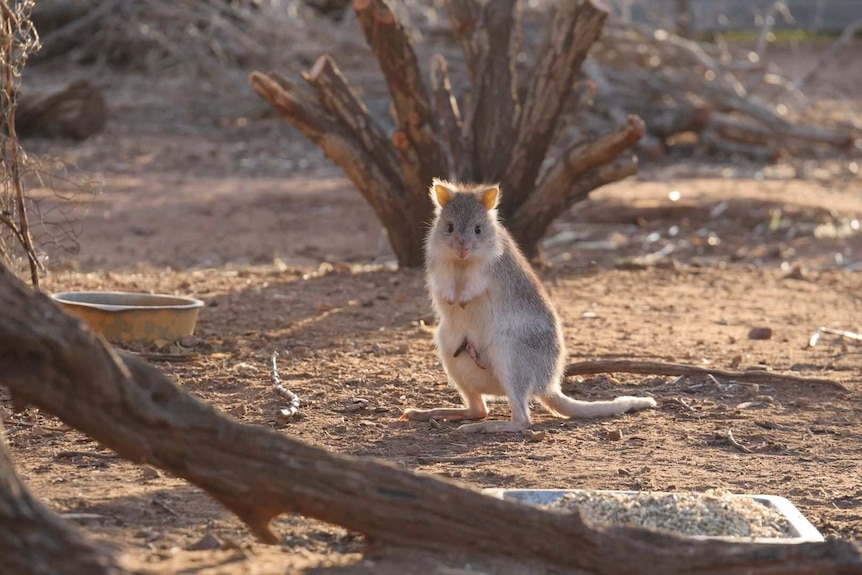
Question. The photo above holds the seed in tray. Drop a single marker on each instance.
(712, 513)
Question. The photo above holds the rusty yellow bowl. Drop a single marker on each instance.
(133, 317)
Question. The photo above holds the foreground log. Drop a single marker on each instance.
(492, 134)
(48, 359)
(37, 542)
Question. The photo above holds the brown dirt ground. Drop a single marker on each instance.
(207, 196)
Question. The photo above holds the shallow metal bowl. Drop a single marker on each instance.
(133, 317)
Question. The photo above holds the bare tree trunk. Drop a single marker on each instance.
(50, 360)
(34, 541)
(489, 136)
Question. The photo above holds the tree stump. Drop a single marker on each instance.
(495, 134)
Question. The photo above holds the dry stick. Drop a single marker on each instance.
(168, 357)
(336, 95)
(258, 474)
(30, 424)
(292, 398)
(531, 221)
(812, 341)
(93, 454)
(671, 369)
(575, 161)
(728, 436)
(575, 28)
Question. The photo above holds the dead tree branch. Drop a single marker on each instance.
(677, 369)
(582, 167)
(421, 157)
(575, 27)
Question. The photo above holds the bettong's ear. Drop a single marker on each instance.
(441, 192)
(490, 197)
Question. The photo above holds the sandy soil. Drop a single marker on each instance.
(210, 197)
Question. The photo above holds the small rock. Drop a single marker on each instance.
(615, 434)
(189, 341)
(801, 402)
(412, 449)
(238, 410)
(206, 543)
(533, 436)
(244, 368)
(624, 472)
(39, 431)
(148, 472)
(797, 272)
(760, 333)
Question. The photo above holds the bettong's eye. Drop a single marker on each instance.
(450, 228)
(478, 230)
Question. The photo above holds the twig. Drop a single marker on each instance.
(93, 454)
(674, 369)
(429, 459)
(83, 516)
(164, 506)
(728, 436)
(292, 398)
(17, 423)
(812, 341)
(175, 357)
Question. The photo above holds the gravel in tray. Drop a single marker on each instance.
(713, 513)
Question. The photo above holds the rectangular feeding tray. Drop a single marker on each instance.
(799, 529)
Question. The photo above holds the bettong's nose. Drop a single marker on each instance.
(462, 252)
